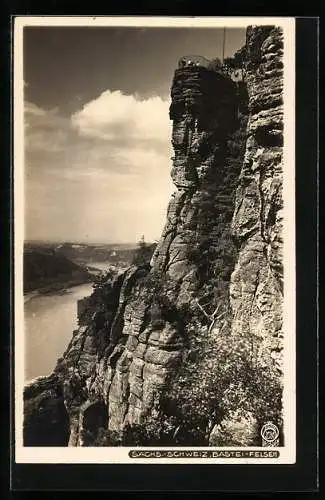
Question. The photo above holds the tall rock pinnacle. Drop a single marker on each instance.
(156, 341)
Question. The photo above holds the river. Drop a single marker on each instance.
(101, 266)
(49, 322)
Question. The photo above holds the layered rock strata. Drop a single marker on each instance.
(120, 362)
(256, 286)
(144, 340)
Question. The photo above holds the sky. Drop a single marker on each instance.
(97, 129)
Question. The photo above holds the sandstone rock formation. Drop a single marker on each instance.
(220, 251)
(256, 287)
(257, 281)
(46, 419)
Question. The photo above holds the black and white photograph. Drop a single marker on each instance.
(154, 240)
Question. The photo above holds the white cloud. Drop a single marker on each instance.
(113, 114)
(104, 172)
(45, 129)
(32, 109)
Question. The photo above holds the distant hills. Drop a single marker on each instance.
(115, 254)
(59, 265)
(47, 270)
(84, 253)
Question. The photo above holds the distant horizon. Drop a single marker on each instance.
(97, 128)
(82, 242)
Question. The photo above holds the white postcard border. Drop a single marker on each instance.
(120, 454)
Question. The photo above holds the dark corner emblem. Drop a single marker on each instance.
(270, 434)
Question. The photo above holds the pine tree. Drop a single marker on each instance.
(142, 254)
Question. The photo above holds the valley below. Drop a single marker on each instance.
(180, 343)
(57, 278)
(49, 322)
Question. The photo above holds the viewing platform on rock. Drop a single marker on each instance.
(199, 62)
(204, 93)
(193, 60)
(215, 65)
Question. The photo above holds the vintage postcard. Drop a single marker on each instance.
(154, 202)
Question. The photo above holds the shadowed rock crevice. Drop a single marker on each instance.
(46, 419)
(256, 283)
(147, 317)
(157, 358)
(94, 416)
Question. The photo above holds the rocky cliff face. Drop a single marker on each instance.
(256, 286)
(257, 281)
(156, 330)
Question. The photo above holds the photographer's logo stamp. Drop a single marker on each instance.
(270, 434)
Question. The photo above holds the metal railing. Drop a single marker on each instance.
(237, 75)
(193, 60)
